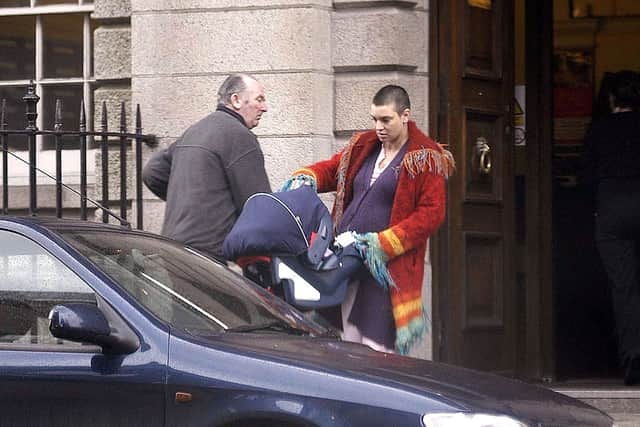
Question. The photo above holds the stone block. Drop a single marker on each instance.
(153, 215)
(113, 166)
(354, 92)
(109, 9)
(299, 103)
(113, 97)
(19, 197)
(112, 52)
(207, 42)
(180, 5)
(374, 39)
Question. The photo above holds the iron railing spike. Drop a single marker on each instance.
(138, 119)
(31, 111)
(123, 118)
(3, 108)
(83, 117)
(104, 116)
(58, 116)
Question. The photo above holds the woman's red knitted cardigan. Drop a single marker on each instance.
(418, 210)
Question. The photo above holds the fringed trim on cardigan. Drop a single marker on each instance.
(431, 160)
(411, 334)
(368, 244)
(341, 178)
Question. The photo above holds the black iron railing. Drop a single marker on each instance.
(103, 137)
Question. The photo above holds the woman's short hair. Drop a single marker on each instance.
(392, 94)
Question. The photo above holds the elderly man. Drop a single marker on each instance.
(209, 172)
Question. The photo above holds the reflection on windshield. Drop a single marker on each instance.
(182, 287)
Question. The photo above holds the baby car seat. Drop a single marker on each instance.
(293, 230)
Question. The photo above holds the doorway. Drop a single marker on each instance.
(591, 38)
(518, 285)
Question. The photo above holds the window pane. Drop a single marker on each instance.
(14, 3)
(15, 114)
(43, 2)
(31, 283)
(70, 95)
(17, 47)
(62, 54)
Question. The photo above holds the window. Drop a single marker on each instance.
(49, 42)
(32, 281)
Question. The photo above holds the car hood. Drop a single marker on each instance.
(460, 388)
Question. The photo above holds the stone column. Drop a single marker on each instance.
(183, 50)
(112, 71)
(375, 43)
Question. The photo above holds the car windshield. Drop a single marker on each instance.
(183, 288)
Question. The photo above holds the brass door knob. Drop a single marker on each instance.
(483, 152)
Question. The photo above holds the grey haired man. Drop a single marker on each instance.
(209, 172)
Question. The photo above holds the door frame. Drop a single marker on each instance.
(537, 354)
(540, 330)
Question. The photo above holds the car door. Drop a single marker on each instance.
(49, 381)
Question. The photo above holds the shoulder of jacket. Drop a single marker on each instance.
(425, 155)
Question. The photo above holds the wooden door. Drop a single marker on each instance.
(475, 288)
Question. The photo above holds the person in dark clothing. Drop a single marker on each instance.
(612, 148)
(209, 172)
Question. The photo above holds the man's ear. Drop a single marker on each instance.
(236, 102)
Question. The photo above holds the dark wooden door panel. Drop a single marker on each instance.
(484, 296)
(479, 323)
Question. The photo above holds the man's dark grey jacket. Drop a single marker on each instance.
(205, 178)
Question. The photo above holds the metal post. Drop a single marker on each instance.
(123, 162)
(139, 167)
(83, 162)
(58, 128)
(31, 101)
(105, 163)
(5, 160)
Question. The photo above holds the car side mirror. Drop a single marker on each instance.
(86, 323)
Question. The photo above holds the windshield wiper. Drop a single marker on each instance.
(275, 325)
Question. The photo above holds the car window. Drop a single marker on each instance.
(180, 286)
(32, 281)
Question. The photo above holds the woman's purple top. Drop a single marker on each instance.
(369, 211)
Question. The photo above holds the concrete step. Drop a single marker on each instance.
(626, 420)
(621, 403)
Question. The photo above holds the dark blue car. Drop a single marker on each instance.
(102, 325)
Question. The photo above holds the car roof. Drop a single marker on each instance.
(54, 223)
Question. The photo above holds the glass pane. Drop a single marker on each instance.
(14, 3)
(15, 114)
(31, 283)
(62, 35)
(70, 95)
(17, 47)
(184, 289)
(44, 2)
